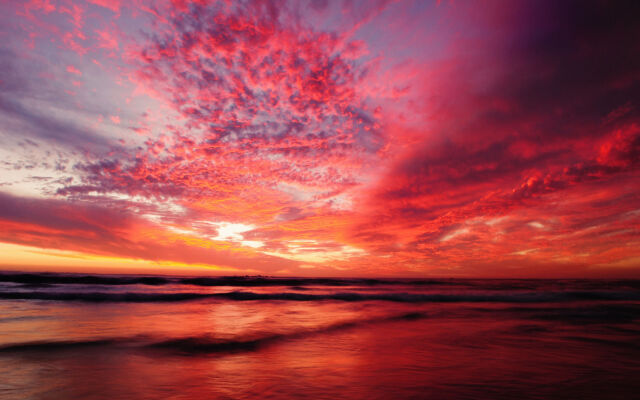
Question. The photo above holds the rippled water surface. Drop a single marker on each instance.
(124, 337)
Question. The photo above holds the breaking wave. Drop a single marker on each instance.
(240, 281)
(202, 344)
(141, 297)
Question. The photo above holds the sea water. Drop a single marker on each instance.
(66, 336)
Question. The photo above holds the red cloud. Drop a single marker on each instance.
(390, 139)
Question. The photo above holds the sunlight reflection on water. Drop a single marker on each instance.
(221, 348)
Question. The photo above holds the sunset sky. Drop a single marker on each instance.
(320, 137)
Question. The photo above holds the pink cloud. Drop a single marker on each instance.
(398, 138)
(73, 70)
(113, 5)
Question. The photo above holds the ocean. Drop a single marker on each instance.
(70, 336)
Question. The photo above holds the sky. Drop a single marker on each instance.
(321, 138)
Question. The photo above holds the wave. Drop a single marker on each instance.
(528, 297)
(44, 279)
(137, 297)
(32, 279)
(102, 297)
(56, 345)
(615, 313)
(202, 344)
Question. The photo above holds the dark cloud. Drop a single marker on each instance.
(567, 66)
